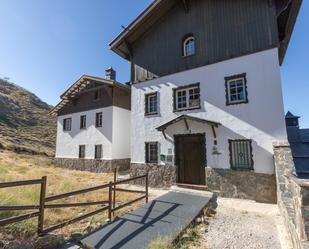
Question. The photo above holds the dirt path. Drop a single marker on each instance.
(244, 224)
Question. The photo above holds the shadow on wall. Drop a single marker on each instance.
(252, 117)
(234, 183)
(104, 131)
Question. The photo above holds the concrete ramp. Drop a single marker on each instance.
(164, 217)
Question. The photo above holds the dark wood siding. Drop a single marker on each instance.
(122, 98)
(223, 29)
(108, 96)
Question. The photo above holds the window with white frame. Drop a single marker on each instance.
(67, 124)
(152, 152)
(151, 103)
(189, 46)
(187, 97)
(236, 89)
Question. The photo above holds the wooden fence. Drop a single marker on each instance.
(108, 205)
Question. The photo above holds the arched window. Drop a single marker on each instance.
(189, 46)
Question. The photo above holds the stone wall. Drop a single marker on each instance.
(242, 184)
(226, 183)
(97, 166)
(292, 195)
(159, 175)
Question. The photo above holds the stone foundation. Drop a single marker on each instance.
(227, 183)
(97, 166)
(293, 196)
(242, 184)
(159, 175)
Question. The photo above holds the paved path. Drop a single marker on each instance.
(164, 217)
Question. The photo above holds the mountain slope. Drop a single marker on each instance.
(25, 125)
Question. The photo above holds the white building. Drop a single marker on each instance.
(206, 92)
(93, 128)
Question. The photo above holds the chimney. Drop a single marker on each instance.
(110, 74)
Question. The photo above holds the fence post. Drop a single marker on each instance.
(110, 201)
(42, 206)
(114, 192)
(147, 187)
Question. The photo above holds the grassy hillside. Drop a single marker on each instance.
(25, 125)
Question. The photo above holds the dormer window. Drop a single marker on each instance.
(189, 46)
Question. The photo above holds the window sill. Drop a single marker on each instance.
(152, 163)
(187, 109)
(237, 103)
(151, 114)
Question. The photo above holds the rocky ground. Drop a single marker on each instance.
(244, 224)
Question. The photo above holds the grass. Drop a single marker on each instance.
(190, 239)
(15, 167)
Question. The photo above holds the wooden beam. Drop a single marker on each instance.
(214, 131)
(163, 132)
(186, 122)
(129, 47)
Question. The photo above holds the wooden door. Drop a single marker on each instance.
(190, 158)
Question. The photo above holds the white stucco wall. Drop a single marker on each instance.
(68, 142)
(261, 120)
(114, 135)
(121, 133)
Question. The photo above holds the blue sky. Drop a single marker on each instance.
(46, 45)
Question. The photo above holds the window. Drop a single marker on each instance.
(97, 95)
(98, 119)
(186, 98)
(151, 103)
(189, 46)
(83, 122)
(241, 157)
(81, 153)
(151, 152)
(67, 123)
(98, 152)
(236, 89)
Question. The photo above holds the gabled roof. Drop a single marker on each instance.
(81, 84)
(287, 12)
(185, 118)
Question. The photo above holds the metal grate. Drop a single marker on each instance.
(241, 154)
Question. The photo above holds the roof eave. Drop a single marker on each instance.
(114, 43)
(296, 4)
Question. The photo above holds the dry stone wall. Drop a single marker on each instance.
(92, 165)
(292, 195)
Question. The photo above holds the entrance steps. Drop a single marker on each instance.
(190, 187)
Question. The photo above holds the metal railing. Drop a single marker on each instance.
(109, 204)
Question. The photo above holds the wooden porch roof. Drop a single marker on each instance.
(185, 118)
